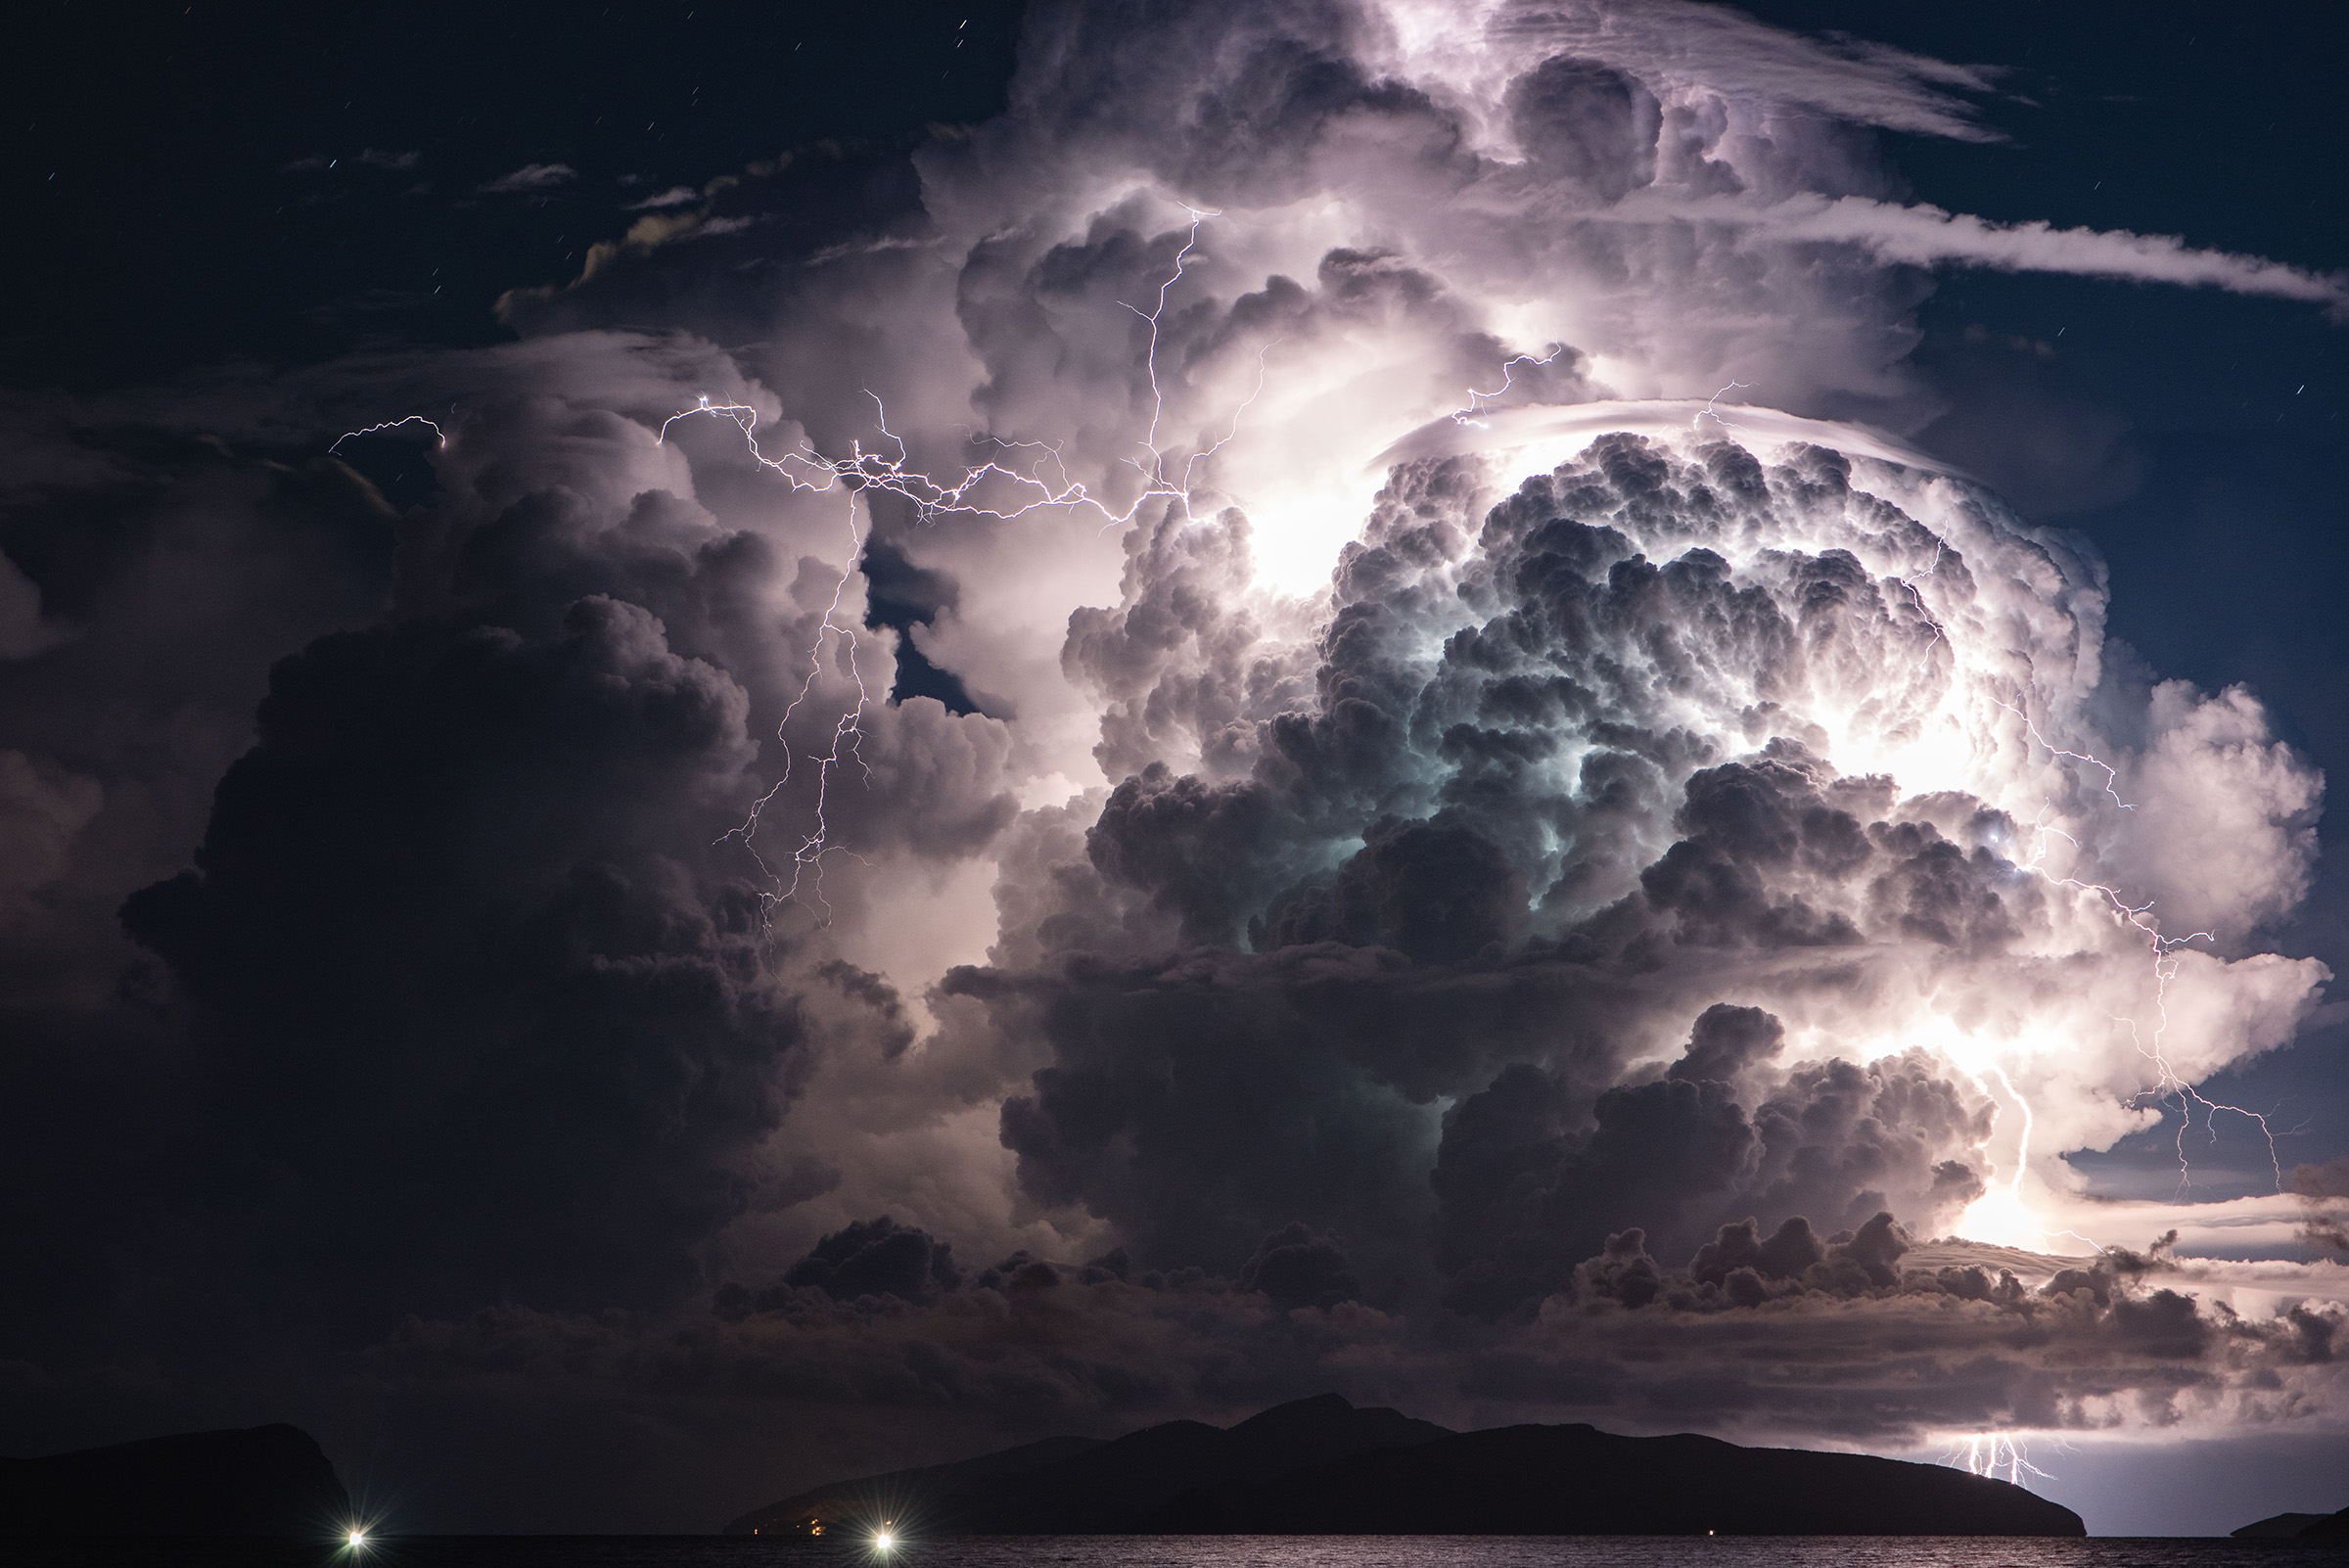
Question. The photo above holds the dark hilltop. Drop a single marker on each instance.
(263, 1481)
(2330, 1528)
(1320, 1466)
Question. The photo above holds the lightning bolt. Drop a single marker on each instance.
(847, 735)
(1987, 1452)
(887, 469)
(2163, 952)
(1466, 413)
(1916, 595)
(1158, 398)
(1707, 411)
(439, 436)
(2112, 778)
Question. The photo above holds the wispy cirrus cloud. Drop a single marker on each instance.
(1924, 235)
(531, 177)
(373, 157)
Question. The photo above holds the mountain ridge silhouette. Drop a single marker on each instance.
(1321, 1466)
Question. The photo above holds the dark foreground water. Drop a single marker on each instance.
(1192, 1552)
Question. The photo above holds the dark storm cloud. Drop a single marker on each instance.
(166, 572)
(870, 1258)
(1294, 1268)
(1521, 1192)
(558, 498)
(1726, 1040)
(156, 578)
(468, 911)
(1435, 892)
(444, 926)
(1586, 126)
(1863, 1337)
(1488, 991)
(466, 997)
(2322, 1190)
(1479, 736)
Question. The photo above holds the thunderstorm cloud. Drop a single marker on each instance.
(1297, 719)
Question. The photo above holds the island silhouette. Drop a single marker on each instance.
(258, 1481)
(2325, 1527)
(1321, 1466)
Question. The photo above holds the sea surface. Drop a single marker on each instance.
(1191, 1552)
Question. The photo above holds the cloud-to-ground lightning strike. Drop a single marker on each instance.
(1989, 1452)
(2003, 1455)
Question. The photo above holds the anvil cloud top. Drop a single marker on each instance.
(1310, 713)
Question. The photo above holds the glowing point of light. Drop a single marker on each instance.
(884, 1541)
(1999, 1218)
(356, 1539)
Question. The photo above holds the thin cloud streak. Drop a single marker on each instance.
(531, 177)
(1924, 235)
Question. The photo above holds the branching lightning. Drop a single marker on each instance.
(2164, 952)
(1988, 1454)
(1029, 476)
(2162, 948)
(863, 473)
(439, 436)
(2112, 778)
(1466, 413)
(1916, 595)
(1002, 489)
(1707, 412)
(995, 489)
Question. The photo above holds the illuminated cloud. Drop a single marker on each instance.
(1663, 732)
(1875, 1340)
(1920, 235)
(1401, 901)
(1564, 847)
(531, 177)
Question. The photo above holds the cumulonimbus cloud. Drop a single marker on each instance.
(1396, 906)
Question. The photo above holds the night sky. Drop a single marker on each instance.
(1217, 961)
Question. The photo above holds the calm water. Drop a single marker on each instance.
(1196, 1551)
